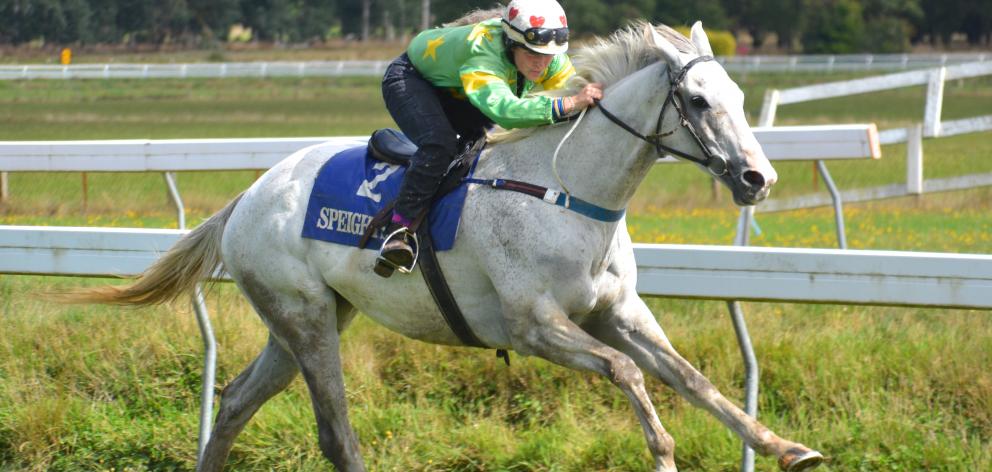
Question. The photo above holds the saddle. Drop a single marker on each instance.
(392, 146)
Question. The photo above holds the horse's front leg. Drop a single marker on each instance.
(630, 327)
(543, 329)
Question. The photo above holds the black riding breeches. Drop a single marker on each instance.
(436, 122)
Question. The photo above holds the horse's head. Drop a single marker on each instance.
(704, 113)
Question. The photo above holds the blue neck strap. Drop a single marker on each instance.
(554, 197)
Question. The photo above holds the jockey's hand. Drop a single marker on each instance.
(585, 98)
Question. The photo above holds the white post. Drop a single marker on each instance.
(914, 160)
(935, 101)
(769, 107)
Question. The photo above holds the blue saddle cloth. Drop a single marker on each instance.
(351, 188)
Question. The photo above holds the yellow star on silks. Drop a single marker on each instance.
(432, 46)
(479, 30)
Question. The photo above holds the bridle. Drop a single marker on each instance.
(717, 165)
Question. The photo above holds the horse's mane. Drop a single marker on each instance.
(626, 51)
(607, 61)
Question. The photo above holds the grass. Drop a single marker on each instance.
(877, 389)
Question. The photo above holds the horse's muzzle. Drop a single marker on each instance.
(753, 186)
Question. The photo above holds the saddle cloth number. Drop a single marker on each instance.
(367, 187)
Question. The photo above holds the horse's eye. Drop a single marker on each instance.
(699, 102)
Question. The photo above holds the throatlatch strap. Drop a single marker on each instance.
(554, 197)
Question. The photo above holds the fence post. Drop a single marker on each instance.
(914, 160)
(935, 102)
(4, 187)
(751, 371)
(769, 107)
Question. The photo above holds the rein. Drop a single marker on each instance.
(717, 165)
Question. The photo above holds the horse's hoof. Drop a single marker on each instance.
(799, 459)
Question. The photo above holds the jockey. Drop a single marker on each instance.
(453, 83)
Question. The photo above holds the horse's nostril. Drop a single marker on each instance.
(754, 179)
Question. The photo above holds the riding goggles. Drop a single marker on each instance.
(542, 36)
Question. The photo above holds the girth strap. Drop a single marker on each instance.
(554, 197)
(430, 268)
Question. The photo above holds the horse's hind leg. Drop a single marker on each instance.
(631, 328)
(308, 318)
(270, 373)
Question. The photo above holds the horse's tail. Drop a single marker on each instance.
(193, 258)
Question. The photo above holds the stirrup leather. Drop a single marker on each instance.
(381, 260)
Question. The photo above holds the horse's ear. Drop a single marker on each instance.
(671, 55)
(699, 39)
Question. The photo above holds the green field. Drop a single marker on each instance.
(98, 388)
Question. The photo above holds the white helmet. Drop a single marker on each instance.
(540, 25)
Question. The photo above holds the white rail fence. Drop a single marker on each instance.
(893, 278)
(796, 63)
(681, 271)
(208, 70)
(172, 155)
(848, 62)
(932, 126)
(80, 252)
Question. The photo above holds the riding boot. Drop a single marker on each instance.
(396, 252)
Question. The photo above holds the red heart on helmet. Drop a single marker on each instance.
(514, 11)
(564, 22)
(536, 21)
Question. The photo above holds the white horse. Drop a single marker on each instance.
(529, 276)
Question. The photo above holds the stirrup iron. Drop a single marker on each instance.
(385, 267)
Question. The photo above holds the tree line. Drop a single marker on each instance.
(808, 26)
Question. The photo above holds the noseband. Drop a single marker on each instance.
(717, 165)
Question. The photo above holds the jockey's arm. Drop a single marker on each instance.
(492, 95)
(484, 81)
